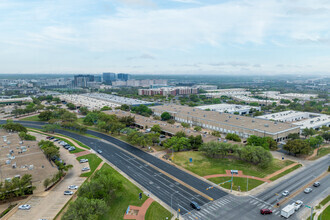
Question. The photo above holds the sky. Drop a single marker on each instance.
(263, 37)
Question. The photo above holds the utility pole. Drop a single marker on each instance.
(247, 184)
(312, 213)
(231, 182)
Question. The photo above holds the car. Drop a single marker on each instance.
(195, 205)
(51, 138)
(316, 184)
(265, 211)
(48, 137)
(68, 192)
(85, 169)
(72, 149)
(67, 146)
(24, 207)
(56, 140)
(308, 190)
(99, 151)
(83, 160)
(285, 193)
(297, 204)
(73, 187)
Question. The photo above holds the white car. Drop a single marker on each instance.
(83, 160)
(285, 193)
(72, 187)
(68, 192)
(297, 204)
(308, 190)
(85, 169)
(24, 207)
(99, 151)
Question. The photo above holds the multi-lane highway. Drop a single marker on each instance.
(177, 188)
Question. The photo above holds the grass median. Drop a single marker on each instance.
(203, 165)
(31, 118)
(239, 183)
(285, 172)
(93, 161)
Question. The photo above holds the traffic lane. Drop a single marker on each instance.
(302, 178)
(156, 183)
(307, 199)
(172, 170)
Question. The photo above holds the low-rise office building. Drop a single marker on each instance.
(301, 119)
(117, 99)
(228, 123)
(168, 91)
(249, 100)
(230, 108)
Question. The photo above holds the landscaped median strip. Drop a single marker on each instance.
(240, 174)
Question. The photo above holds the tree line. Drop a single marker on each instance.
(18, 186)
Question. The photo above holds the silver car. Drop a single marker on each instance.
(85, 169)
(308, 190)
(285, 193)
(24, 207)
(68, 192)
(72, 187)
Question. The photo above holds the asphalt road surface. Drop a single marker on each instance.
(165, 188)
(224, 206)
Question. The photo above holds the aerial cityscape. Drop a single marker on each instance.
(155, 110)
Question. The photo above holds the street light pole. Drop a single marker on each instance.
(171, 199)
(312, 213)
(231, 182)
(247, 184)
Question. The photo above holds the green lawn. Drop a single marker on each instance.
(31, 118)
(325, 214)
(93, 161)
(325, 201)
(285, 172)
(237, 182)
(128, 196)
(156, 211)
(322, 152)
(203, 165)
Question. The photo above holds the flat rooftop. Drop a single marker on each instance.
(284, 115)
(117, 99)
(224, 107)
(314, 122)
(249, 123)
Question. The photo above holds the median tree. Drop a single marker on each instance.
(297, 147)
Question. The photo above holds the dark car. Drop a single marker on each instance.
(195, 205)
(51, 138)
(316, 184)
(265, 211)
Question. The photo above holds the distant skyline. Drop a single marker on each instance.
(253, 37)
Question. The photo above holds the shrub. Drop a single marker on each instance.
(185, 125)
(171, 121)
(24, 136)
(197, 128)
(233, 137)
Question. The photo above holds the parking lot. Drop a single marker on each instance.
(46, 205)
(19, 158)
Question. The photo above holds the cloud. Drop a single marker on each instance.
(231, 63)
(187, 1)
(144, 56)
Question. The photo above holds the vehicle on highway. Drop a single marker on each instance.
(85, 169)
(72, 187)
(285, 193)
(195, 205)
(308, 190)
(265, 211)
(316, 184)
(287, 211)
(24, 207)
(297, 204)
(99, 151)
(68, 192)
(84, 160)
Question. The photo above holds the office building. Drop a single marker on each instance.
(124, 76)
(168, 91)
(82, 80)
(230, 108)
(228, 123)
(108, 78)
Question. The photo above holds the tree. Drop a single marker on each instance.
(69, 117)
(47, 182)
(83, 110)
(124, 107)
(71, 106)
(265, 142)
(297, 147)
(165, 116)
(127, 120)
(185, 125)
(91, 118)
(180, 134)
(197, 128)
(256, 155)
(11, 126)
(105, 108)
(50, 128)
(195, 141)
(142, 110)
(234, 137)
(24, 136)
(171, 121)
(156, 128)
(315, 141)
(293, 136)
(177, 144)
(308, 132)
(326, 136)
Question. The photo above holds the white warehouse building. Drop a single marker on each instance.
(230, 108)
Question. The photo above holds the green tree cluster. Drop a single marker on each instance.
(165, 116)
(13, 127)
(94, 197)
(181, 142)
(233, 137)
(252, 154)
(266, 142)
(50, 150)
(308, 132)
(297, 147)
(142, 110)
(25, 136)
(71, 106)
(16, 187)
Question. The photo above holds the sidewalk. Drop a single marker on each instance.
(281, 171)
(318, 212)
(240, 174)
(139, 211)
